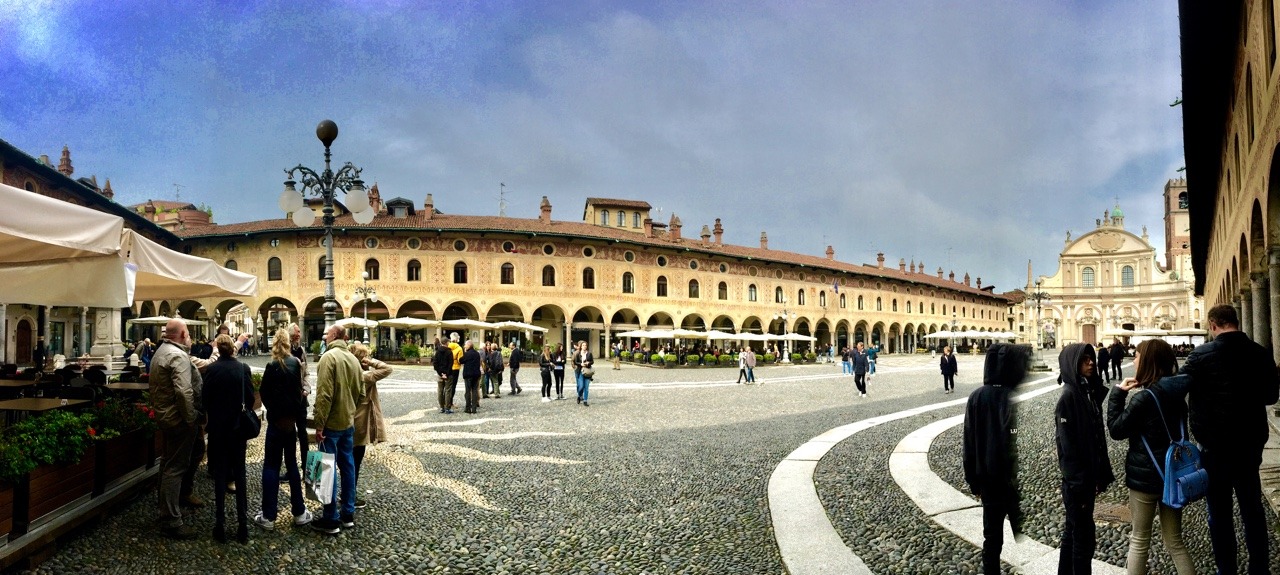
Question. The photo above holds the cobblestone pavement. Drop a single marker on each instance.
(665, 472)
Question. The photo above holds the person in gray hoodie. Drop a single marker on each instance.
(1082, 455)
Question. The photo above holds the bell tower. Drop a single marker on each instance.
(1177, 228)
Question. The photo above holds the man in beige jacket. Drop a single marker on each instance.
(175, 391)
(339, 389)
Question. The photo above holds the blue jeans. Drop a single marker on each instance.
(341, 445)
(846, 368)
(280, 447)
(751, 375)
(872, 364)
(584, 385)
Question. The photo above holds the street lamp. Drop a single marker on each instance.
(954, 348)
(325, 185)
(1039, 296)
(366, 293)
(785, 315)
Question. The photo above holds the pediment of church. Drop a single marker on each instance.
(1106, 241)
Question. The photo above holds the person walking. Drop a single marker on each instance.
(471, 376)
(491, 364)
(175, 386)
(228, 384)
(846, 365)
(558, 360)
(455, 348)
(751, 365)
(40, 355)
(442, 364)
(1160, 402)
(872, 352)
(339, 389)
(1104, 362)
(582, 361)
(617, 356)
(370, 428)
(1117, 353)
(1233, 379)
(990, 448)
(949, 370)
(858, 358)
(546, 364)
(1082, 455)
(282, 395)
(742, 367)
(517, 356)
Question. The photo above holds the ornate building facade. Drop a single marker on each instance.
(1110, 280)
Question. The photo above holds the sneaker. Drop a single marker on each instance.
(449, 411)
(348, 521)
(263, 522)
(585, 404)
(302, 518)
(864, 394)
(326, 526)
(360, 503)
(546, 399)
(192, 501)
(181, 532)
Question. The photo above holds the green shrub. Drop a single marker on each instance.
(796, 358)
(769, 357)
(811, 356)
(710, 359)
(655, 358)
(315, 347)
(410, 351)
(727, 359)
(626, 355)
(53, 437)
(670, 358)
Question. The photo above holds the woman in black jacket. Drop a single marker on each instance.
(283, 397)
(1141, 421)
(228, 386)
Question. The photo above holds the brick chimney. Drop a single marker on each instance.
(706, 235)
(544, 211)
(902, 265)
(880, 260)
(979, 283)
(831, 253)
(764, 241)
(939, 273)
(648, 227)
(430, 208)
(952, 275)
(106, 190)
(921, 267)
(966, 279)
(719, 232)
(64, 165)
(674, 228)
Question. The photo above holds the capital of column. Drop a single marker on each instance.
(1258, 279)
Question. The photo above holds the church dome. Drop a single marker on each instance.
(1116, 213)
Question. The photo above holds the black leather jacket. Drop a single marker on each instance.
(1233, 379)
(1141, 419)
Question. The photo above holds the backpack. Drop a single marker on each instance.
(1185, 479)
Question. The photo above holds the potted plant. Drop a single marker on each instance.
(727, 360)
(51, 452)
(655, 359)
(709, 359)
(811, 357)
(122, 436)
(410, 353)
(769, 357)
(669, 359)
(315, 351)
(625, 356)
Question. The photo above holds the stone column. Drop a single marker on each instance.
(106, 333)
(84, 331)
(1261, 330)
(1244, 309)
(1273, 287)
(4, 332)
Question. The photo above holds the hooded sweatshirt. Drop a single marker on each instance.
(1082, 445)
(990, 421)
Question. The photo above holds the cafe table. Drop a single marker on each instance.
(128, 387)
(26, 405)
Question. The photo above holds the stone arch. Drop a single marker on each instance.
(841, 334)
(588, 315)
(625, 319)
(877, 334)
(660, 320)
(723, 323)
(551, 317)
(278, 312)
(147, 309)
(460, 310)
(752, 324)
(165, 309)
(822, 331)
(861, 332)
(1257, 240)
(504, 311)
(416, 308)
(894, 343)
(694, 322)
(909, 342)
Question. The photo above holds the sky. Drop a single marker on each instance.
(970, 136)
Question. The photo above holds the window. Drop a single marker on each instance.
(724, 268)
(777, 295)
(1182, 201)
(894, 304)
(751, 292)
(822, 298)
(274, 242)
(273, 270)
(232, 265)
(662, 286)
(460, 273)
(1248, 100)
(548, 276)
(662, 261)
(604, 217)
(371, 268)
(1086, 277)
(629, 255)
(908, 306)
(459, 246)
(320, 275)
(1269, 31)
(844, 304)
(588, 251)
(508, 275)
(549, 249)
(1126, 276)
(933, 308)
(628, 283)
(722, 291)
(800, 297)
(414, 243)
(622, 218)
(635, 219)
(588, 278)
(693, 264)
(859, 302)
(693, 289)
(879, 305)
(414, 271)
(509, 247)
(370, 243)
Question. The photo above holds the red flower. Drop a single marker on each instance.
(92, 432)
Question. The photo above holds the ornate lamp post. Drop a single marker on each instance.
(1038, 296)
(785, 315)
(325, 184)
(366, 293)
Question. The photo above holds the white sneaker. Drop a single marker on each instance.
(263, 522)
(864, 394)
(303, 518)
(546, 400)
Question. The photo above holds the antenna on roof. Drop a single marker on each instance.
(502, 200)
(177, 192)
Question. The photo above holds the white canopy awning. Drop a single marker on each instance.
(941, 334)
(466, 323)
(408, 323)
(166, 274)
(349, 322)
(518, 325)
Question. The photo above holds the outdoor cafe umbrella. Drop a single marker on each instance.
(350, 322)
(941, 334)
(408, 323)
(467, 323)
(518, 325)
(797, 337)
(633, 333)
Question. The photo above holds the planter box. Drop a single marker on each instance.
(6, 511)
(121, 456)
(50, 487)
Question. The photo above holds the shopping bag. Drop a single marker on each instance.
(321, 476)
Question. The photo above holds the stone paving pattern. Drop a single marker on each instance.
(667, 476)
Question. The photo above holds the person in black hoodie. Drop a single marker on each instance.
(1104, 361)
(442, 363)
(1148, 425)
(990, 448)
(1082, 455)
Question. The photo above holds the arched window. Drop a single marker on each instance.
(777, 294)
(628, 283)
(822, 298)
(622, 218)
(588, 278)
(460, 273)
(859, 302)
(964, 312)
(894, 304)
(843, 303)
(751, 292)
(414, 271)
(548, 276)
(635, 219)
(232, 265)
(604, 217)
(908, 306)
(662, 286)
(273, 270)
(508, 275)
(1086, 277)
(320, 275)
(879, 305)
(800, 297)
(1126, 276)
(371, 268)
(933, 308)
(693, 289)
(722, 291)
(1182, 201)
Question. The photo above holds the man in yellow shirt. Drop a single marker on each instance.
(452, 386)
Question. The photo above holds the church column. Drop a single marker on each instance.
(1261, 331)
(1244, 309)
(1273, 287)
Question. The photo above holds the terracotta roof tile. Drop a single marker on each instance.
(615, 203)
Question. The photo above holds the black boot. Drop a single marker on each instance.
(219, 533)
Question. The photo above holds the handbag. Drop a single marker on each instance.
(321, 476)
(247, 426)
(588, 371)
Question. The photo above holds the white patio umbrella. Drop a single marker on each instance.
(1188, 331)
(797, 337)
(1117, 332)
(941, 334)
(633, 333)
(408, 323)
(746, 336)
(716, 334)
(350, 322)
(466, 323)
(162, 320)
(688, 333)
(518, 325)
(1150, 332)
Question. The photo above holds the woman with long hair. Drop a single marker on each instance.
(582, 360)
(370, 429)
(228, 385)
(546, 364)
(282, 395)
(1148, 426)
(558, 360)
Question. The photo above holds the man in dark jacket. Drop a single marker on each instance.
(1082, 454)
(442, 363)
(860, 362)
(949, 369)
(990, 448)
(1233, 379)
(1104, 362)
(1117, 357)
(516, 358)
(471, 375)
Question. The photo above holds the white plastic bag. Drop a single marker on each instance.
(321, 477)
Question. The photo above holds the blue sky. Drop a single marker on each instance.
(968, 135)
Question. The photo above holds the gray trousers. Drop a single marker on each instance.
(515, 386)
(174, 463)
